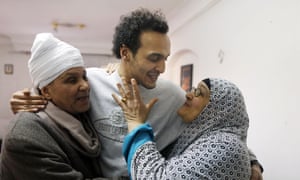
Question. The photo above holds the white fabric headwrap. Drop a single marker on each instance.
(50, 57)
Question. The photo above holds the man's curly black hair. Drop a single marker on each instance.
(131, 26)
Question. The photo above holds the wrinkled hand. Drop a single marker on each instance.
(135, 110)
(24, 101)
(256, 173)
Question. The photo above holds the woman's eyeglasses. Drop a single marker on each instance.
(196, 91)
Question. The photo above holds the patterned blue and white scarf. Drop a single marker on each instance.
(213, 146)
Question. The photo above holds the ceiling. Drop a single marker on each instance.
(21, 19)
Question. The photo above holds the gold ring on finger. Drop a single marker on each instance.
(124, 99)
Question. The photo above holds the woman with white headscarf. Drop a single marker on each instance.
(213, 145)
(60, 142)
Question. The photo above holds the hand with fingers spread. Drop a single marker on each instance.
(135, 110)
(25, 101)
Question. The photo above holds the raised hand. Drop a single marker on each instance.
(135, 110)
(24, 101)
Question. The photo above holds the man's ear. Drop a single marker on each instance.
(124, 52)
(45, 92)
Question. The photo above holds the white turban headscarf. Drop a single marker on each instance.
(50, 57)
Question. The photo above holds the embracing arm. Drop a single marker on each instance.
(24, 100)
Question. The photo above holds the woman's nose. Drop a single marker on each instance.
(189, 95)
(84, 85)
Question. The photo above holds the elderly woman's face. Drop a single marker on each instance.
(196, 100)
(69, 91)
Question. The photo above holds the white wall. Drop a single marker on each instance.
(10, 83)
(261, 44)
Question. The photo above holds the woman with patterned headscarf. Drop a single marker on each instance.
(213, 145)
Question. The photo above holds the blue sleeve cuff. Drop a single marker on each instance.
(134, 140)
